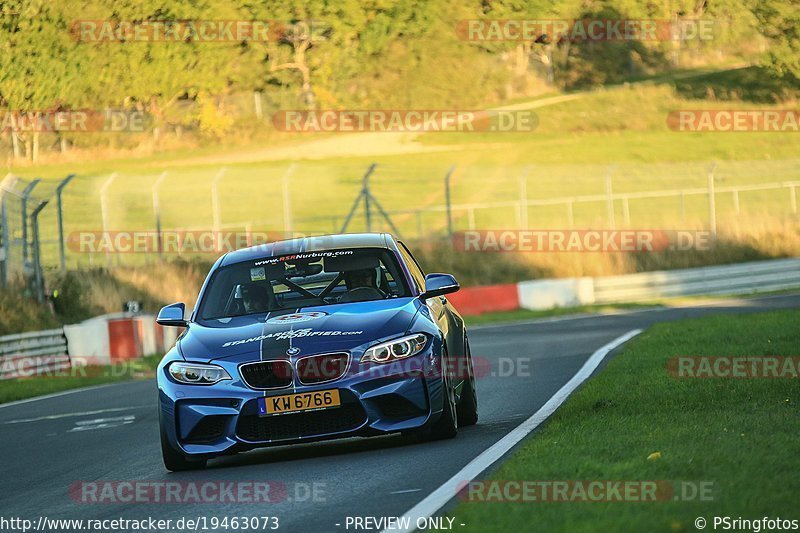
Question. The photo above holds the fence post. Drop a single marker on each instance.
(793, 199)
(38, 278)
(287, 206)
(216, 216)
(26, 193)
(367, 207)
(736, 201)
(62, 254)
(523, 198)
(712, 206)
(248, 233)
(104, 209)
(157, 212)
(363, 194)
(448, 206)
(257, 104)
(626, 211)
(4, 252)
(610, 198)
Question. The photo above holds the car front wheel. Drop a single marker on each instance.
(468, 403)
(447, 425)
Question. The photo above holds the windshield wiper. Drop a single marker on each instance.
(238, 315)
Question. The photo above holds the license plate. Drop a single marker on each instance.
(302, 401)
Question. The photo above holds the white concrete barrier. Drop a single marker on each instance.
(551, 293)
(170, 337)
(95, 342)
(147, 334)
(88, 343)
(742, 278)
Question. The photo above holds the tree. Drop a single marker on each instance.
(780, 22)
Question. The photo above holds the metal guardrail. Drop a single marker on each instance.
(742, 278)
(36, 353)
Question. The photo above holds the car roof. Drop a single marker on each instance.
(311, 244)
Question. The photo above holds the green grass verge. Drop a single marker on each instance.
(20, 389)
(740, 434)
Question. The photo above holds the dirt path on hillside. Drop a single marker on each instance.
(353, 144)
(382, 143)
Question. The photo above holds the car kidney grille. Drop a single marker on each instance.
(267, 374)
(322, 368)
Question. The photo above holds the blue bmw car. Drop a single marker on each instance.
(310, 339)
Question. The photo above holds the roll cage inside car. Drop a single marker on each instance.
(294, 281)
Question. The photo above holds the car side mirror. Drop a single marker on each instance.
(439, 285)
(172, 315)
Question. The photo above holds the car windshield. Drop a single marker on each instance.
(302, 280)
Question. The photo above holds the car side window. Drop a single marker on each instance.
(413, 267)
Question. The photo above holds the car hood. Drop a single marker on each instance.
(301, 331)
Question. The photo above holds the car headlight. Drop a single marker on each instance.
(197, 373)
(396, 349)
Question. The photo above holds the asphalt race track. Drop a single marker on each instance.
(111, 434)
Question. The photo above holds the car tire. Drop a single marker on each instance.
(468, 403)
(175, 461)
(447, 425)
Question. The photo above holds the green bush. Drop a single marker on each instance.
(71, 298)
(19, 313)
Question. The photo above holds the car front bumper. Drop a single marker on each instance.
(219, 419)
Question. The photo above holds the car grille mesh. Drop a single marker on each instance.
(322, 368)
(267, 374)
(210, 428)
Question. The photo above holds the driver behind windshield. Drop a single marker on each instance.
(365, 277)
(362, 285)
(254, 298)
